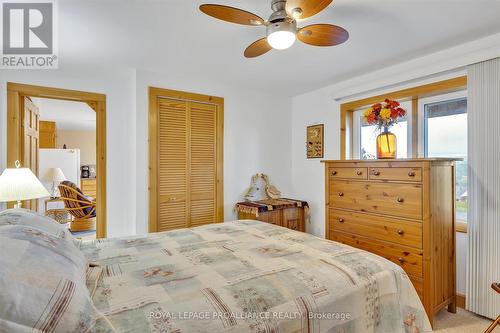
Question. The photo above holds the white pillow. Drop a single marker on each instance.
(42, 283)
(20, 216)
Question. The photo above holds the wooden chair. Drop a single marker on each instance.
(81, 207)
(496, 287)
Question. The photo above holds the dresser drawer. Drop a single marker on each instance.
(89, 183)
(348, 173)
(398, 174)
(400, 200)
(377, 227)
(409, 259)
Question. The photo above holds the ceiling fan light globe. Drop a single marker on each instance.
(281, 40)
(282, 34)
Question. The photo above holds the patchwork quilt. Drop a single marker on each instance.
(247, 276)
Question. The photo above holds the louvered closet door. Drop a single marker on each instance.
(203, 161)
(172, 164)
(187, 164)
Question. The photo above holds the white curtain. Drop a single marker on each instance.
(484, 187)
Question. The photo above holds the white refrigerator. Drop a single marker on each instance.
(66, 159)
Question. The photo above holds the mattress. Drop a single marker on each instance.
(247, 276)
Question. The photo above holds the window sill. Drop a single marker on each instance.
(461, 226)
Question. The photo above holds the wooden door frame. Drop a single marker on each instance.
(97, 102)
(153, 143)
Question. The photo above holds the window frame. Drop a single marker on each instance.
(413, 94)
(356, 133)
(422, 133)
(422, 127)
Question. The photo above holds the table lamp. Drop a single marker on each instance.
(54, 175)
(17, 184)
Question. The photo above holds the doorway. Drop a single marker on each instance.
(23, 135)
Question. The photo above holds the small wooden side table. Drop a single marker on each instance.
(58, 214)
(288, 213)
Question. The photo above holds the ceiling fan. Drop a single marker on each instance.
(282, 30)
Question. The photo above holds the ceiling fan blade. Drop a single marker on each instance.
(322, 35)
(302, 9)
(231, 14)
(258, 48)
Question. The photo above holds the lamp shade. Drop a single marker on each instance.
(54, 175)
(18, 184)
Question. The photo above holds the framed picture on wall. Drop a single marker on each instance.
(315, 138)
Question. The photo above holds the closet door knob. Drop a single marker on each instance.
(401, 260)
(341, 220)
(401, 232)
(341, 194)
(334, 173)
(411, 174)
(400, 200)
(359, 172)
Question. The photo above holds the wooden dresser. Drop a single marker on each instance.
(286, 213)
(403, 210)
(89, 187)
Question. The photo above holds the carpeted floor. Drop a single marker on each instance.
(461, 322)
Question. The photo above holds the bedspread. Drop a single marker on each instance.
(248, 276)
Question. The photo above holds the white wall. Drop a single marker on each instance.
(257, 133)
(119, 87)
(83, 140)
(308, 175)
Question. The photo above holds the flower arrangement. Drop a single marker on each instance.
(384, 114)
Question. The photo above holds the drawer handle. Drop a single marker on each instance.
(341, 194)
(359, 172)
(401, 260)
(400, 200)
(341, 220)
(334, 173)
(401, 232)
(376, 173)
(411, 174)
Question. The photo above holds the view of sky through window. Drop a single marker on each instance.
(446, 136)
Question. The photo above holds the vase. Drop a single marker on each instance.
(386, 145)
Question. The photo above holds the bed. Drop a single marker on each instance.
(240, 276)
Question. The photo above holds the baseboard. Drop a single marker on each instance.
(461, 301)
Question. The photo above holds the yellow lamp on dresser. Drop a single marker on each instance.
(403, 210)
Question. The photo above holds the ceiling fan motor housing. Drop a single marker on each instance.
(285, 25)
(279, 19)
(278, 5)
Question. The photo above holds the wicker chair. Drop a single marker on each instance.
(495, 287)
(81, 207)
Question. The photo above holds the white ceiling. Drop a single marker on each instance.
(173, 35)
(68, 115)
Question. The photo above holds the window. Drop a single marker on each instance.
(364, 135)
(444, 134)
(442, 124)
(434, 127)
